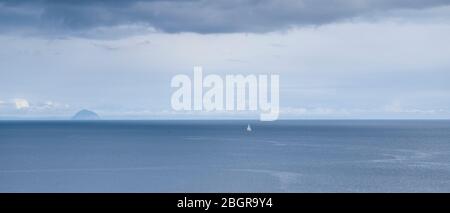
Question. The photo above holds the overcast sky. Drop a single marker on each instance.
(336, 58)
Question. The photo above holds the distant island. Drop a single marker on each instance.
(86, 115)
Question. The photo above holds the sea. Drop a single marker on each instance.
(222, 156)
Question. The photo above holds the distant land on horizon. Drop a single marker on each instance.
(86, 115)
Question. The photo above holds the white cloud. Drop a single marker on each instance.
(397, 107)
(52, 105)
(21, 103)
(392, 110)
(393, 107)
(319, 111)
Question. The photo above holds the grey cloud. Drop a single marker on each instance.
(221, 16)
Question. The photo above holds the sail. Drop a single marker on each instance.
(249, 129)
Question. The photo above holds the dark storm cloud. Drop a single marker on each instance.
(220, 16)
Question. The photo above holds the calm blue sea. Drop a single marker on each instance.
(221, 156)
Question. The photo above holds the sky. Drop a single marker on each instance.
(337, 59)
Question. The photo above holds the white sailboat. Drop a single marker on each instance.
(249, 129)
